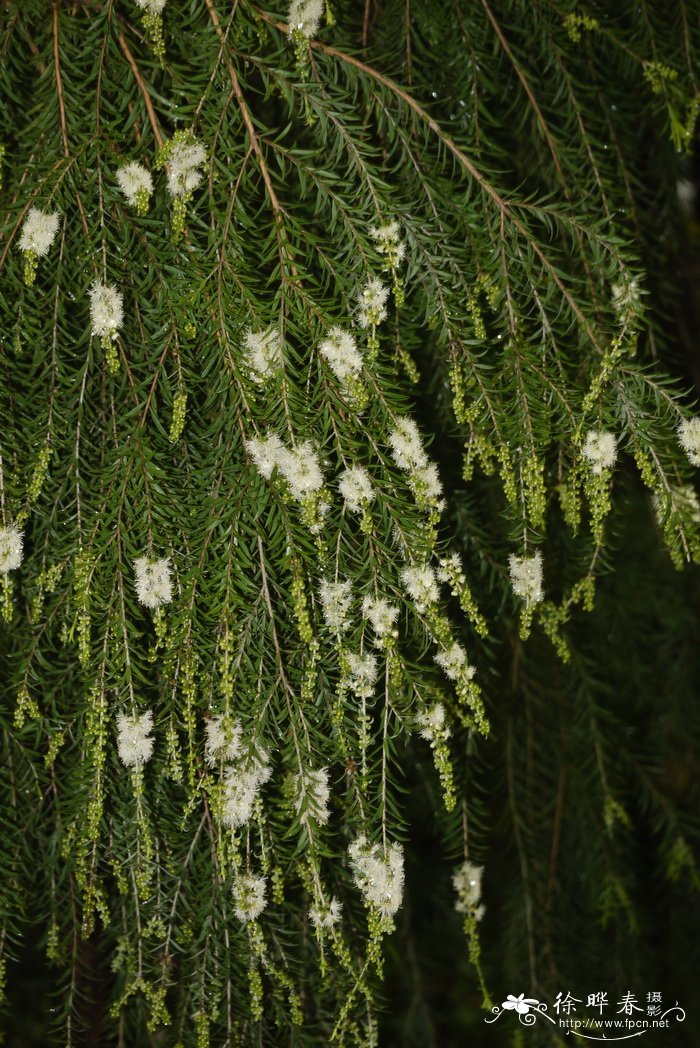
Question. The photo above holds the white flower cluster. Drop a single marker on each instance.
(625, 297)
(242, 781)
(312, 793)
(432, 723)
(526, 577)
(454, 662)
(299, 466)
(185, 160)
(263, 353)
(136, 184)
(689, 438)
(681, 499)
(153, 584)
(11, 551)
(154, 7)
(388, 243)
(421, 586)
(223, 740)
(600, 450)
(378, 874)
(372, 309)
(356, 488)
(326, 916)
(38, 231)
(467, 884)
(381, 616)
(305, 17)
(407, 446)
(106, 310)
(363, 672)
(336, 598)
(340, 350)
(249, 896)
(134, 742)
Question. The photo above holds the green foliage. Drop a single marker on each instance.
(521, 302)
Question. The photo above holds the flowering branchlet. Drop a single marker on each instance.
(136, 184)
(340, 350)
(11, 549)
(153, 582)
(689, 439)
(362, 674)
(300, 467)
(454, 662)
(373, 299)
(249, 896)
(263, 353)
(311, 795)
(106, 311)
(38, 234)
(242, 782)
(421, 585)
(600, 450)
(467, 884)
(356, 488)
(134, 743)
(336, 598)
(432, 723)
(378, 874)
(406, 446)
(305, 17)
(223, 740)
(526, 577)
(326, 916)
(381, 615)
(182, 157)
(388, 243)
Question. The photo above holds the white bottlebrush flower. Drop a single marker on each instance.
(154, 7)
(263, 353)
(426, 481)
(336, 598)
(133, 741)
(407, 446)
(432, 723)
(185, 160)
(526, 577)
(454, 662)
(249, 895)
(421, 586)
(153, 583)
(223, 740)
(305, 16)
(378, 874)
(106, 310)
(689, 437)
(302, 470)
(372, 310)
(38, 231)
(625, 297)
(356, 488)
(381, 615)
(340, 350)
(242, 781)
(600, 450)
(135, 183)
(266, 452)
(326, 916)
(387, 242)
(363, 672)
(467, 884)
(312, 792)
(11, 551)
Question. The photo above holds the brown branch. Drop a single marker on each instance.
(59, 83)
(142, 88)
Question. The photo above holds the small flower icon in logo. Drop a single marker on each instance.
(520, 1004)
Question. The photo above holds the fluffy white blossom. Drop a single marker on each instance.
(373, 298)
(381, 615)
(133, 741)
(223, 740)
(340, 350)
(454, 662)
(242, 781)
(135, 183)
(11, 551)
(38, 231)
(356, 488)
(326, 916)
(305, 16)
(363, 672)
(106, 310)
(336, 598)
(312, 792)
(467, 884)
(600, 449)
(302, 470)
(154, 7)
(249, 896)
(432, 723)
(426, 481)
(407, 446)
(263, 353)
(689, 437)
(185, 160)
(421, 586)
(266, 452)
(625, 297)
(387, 242)
(526, 577)
(153, 582)
(378, 874)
